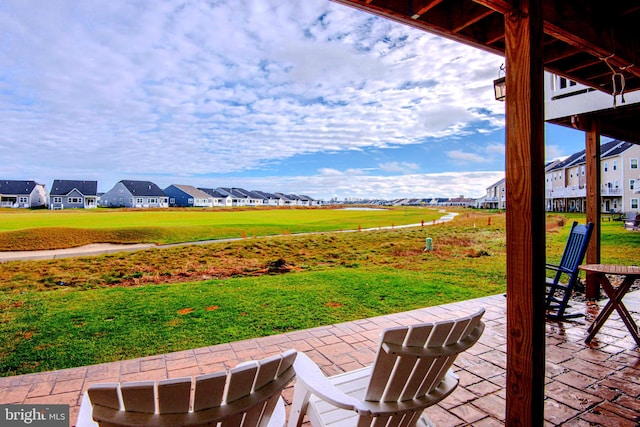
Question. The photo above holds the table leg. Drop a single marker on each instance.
(615, 302)
(622, 309)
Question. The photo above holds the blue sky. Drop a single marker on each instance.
(276, 95)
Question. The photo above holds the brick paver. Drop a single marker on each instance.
(595, 384)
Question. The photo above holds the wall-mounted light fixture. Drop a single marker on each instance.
(500, 84)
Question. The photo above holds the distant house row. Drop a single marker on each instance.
(566, 186)
(66, 194)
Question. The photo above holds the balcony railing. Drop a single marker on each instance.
(565, 192)
(606, 191)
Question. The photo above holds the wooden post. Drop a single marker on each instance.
(594, 205)
(525, 215)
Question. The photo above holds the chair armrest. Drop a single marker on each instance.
(308, 373)
(557, 268)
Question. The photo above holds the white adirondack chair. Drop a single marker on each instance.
(410, 373)
(247, 395)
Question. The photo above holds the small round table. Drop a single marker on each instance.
(629, 274)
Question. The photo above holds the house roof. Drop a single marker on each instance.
(143, 188)
(10, 187)
(608, 149)
(193, 191)
(62, 187)
(264, 195)
(214, 193)
(497, 183)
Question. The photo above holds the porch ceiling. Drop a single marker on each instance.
(578, 35)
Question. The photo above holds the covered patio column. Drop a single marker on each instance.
(594, 208)
(525, 214)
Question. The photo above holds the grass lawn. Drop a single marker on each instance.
(42, 229)
(73, 312)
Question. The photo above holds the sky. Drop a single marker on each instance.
(309, 97)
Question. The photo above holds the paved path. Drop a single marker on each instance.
(107, 248)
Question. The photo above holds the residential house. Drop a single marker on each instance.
(284, 199)
(310, 201)
(565, 181)
(218, 199)
(241, 197)
(268, 199)
(69, 194)
(188, 196)
(566, 102)
(461, 201)
(22, 194)
(496, 197)
(135, 194)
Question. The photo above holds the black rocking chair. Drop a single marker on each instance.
(560, 286)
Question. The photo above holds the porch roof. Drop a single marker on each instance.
(584, 40)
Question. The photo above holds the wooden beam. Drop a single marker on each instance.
(592, 31)
(525, 215)
(592, 154)
(422, 7)
(468, 15)
(502, 6)
(436, 26)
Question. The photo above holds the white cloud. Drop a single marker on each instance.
(466, 156)
(398, 166)
(120, 89)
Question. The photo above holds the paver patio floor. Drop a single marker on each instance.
(586, 385)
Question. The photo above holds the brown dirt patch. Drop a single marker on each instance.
(333, 304)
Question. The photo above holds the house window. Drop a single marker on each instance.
(632, 184)
(57, 200)
(75, 200)
(615, 165)
(153, 200)
(23, 199)
(634, 164)
(617, 184)
(190, 201)
(606, 166)
(634, 203)
(139, 200)
(172, 201)
(582, 170)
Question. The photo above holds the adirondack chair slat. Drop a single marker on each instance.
(174, 396)
(106, 394)
(414, 368)
(421, 369)
(267, 371)
(139, 396)
(384, 364)
(206, 406)
(409, 371)
(241, 381)
(209, 391)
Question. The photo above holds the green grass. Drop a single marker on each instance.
(73, 312)
(41, 229)
(80, 328)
